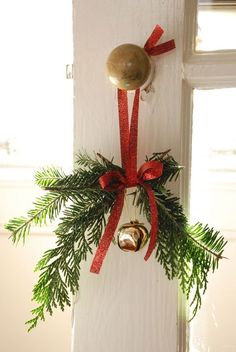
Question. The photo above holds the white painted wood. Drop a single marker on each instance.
(190, 25)
(206, 64)
(215, 69)
(130, 306)
(186, 142)
(209, 74)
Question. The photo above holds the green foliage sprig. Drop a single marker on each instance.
(186, 252)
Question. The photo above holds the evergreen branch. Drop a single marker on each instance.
(207, 239)
(80, 179)
(86, 176)
(46, 208)
(186, 252)
(51, 290)
(201, 248)
(171, 169)
(62, 187)
(82, 225)
(48, 177)
(84, 160)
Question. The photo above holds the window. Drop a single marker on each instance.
(216, 25)
(36, 115)
(213, 199)
(209, 96)
(36, 129)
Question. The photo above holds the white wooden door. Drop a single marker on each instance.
(130, 306)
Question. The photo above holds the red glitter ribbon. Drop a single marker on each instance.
(153, 50)
(114, 180)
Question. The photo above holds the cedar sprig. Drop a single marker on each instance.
(187, 253)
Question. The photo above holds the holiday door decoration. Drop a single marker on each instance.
(89, 203)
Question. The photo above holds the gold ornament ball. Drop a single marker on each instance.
(132, 236)
(128, 66)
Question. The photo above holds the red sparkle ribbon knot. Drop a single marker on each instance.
(115, 180)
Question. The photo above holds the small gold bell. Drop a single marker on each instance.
(132, 236)
(128, 66)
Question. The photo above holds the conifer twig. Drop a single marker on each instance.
(187, 253)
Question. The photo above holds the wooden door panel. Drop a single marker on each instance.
(130, 306)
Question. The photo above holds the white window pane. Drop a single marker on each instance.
(216, 25)
(213, 329)
(36, 104)
(36, 115)
(213, 199)
(213, 180)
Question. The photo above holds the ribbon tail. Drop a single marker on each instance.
(161, 48)
(108, 234)
(154, 220)
(154, 37)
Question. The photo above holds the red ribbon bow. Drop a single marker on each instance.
(115, 180)
(153, 50)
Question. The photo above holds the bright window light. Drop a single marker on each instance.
(216, 27)
(213, 199)
(36, 109)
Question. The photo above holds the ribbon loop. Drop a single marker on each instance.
(150, 170)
